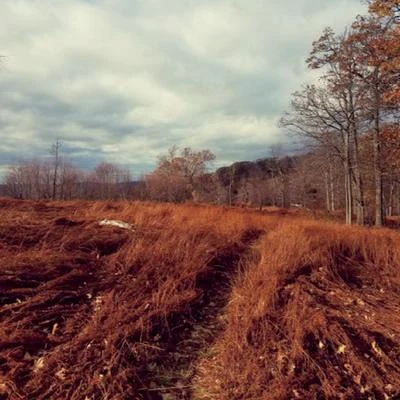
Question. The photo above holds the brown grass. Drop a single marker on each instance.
(90, 312)
(315, 315)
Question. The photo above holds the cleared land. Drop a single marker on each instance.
(194, 302)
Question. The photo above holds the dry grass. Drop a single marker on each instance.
(90, 312)
(315, 315)
(94, 304)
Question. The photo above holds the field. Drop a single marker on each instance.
(194, 302)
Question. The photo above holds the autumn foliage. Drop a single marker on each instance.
(385, 7)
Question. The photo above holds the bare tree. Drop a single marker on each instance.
(110, 181)
(55, 151)
(316, 114)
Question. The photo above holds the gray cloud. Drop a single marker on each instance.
(123, 80)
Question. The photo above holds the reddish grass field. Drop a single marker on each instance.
(194, 302)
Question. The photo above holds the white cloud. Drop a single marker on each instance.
(125, 79)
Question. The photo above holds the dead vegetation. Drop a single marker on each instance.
(315, 315)
(194, 302)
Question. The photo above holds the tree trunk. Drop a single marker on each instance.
(398, 203)
(390, 208)
(359, 187)
(327, 191)
(377, 162)
(54, 191)
(358, 183)
(332, 187)
(348, 181)
(349, 198)
(56, 153)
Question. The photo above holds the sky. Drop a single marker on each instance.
(124, 80)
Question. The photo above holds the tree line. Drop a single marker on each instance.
(307, 181)
(56, 178)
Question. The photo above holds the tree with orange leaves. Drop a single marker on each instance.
(376, 42)
(357, 99)
(388, 12)
(177, 174)
(385, 7)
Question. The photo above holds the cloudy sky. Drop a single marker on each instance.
(123, 80)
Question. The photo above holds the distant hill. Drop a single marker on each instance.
(262, 168)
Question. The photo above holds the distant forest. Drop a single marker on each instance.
(348, 122)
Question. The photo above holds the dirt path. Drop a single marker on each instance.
(193, 334)
(58, 264)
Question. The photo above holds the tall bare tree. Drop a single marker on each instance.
(317, 115)
(55, 152)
